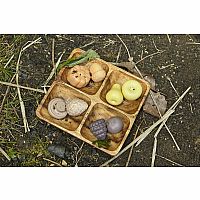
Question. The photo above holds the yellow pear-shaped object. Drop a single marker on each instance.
(114, 95)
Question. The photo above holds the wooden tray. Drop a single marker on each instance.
(94, 94)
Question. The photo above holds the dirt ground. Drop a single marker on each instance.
(180, 62)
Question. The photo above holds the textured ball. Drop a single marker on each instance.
(99, 129)
(115, 125)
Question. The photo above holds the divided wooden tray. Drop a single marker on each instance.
(94, 94)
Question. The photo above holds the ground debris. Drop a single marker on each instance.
(150, 107)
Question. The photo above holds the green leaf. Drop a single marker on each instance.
(102, 143)
(84, 57)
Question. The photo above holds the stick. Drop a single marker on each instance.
(5, 154)
(153, 54)
(131, 150)
(77, 160)
(92, 42)
(170, 160)
(53, 71)
(20, 86)
(119, 52)
(26, 127)
(52, 162)
(124, 45)
(172, 86)
(196, 43)
(155, 143)
(9, 61)
(52, 53)
(6, 94)
(169, 38)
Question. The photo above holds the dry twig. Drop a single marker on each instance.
(170, 160)
(26, 127)
(52, 53)
(9, 61)
(77, 160)
(51, 161)
(119, 52)
(169, 39)
(20, 86)
(5, 154)
(131, 150)
(53, 71)
(172, 86)
(6, 94)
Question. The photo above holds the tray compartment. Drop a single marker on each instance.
(92, 87)
(69, 122)
(117, 76)
(100, 111)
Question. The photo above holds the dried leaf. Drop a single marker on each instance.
(151, 80)
(150, 107)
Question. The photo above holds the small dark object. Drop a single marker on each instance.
(57, 150)
(115, 125)
(99, 129)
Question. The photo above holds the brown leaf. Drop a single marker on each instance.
(151, 80)
(150, 107)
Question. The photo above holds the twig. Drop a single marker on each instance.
(9, 61)
(26, 127)
(119, 52)
(6, 94)
(191, 108)
(52, 53)
(169, 39)
(150, 129)
(155, 142)
(20, 86)
(53, 71)
(166, 66)
(77, 160)
(37, 41)
(88, 44)
(170, 160)
(51, 161)
(124, 45)
(131, 150)
(155, 46)
(172, 86)
(5, 154)
(150, 55)
(195, 43)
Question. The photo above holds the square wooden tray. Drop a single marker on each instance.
(94, 94)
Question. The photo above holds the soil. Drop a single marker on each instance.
(180, 62)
